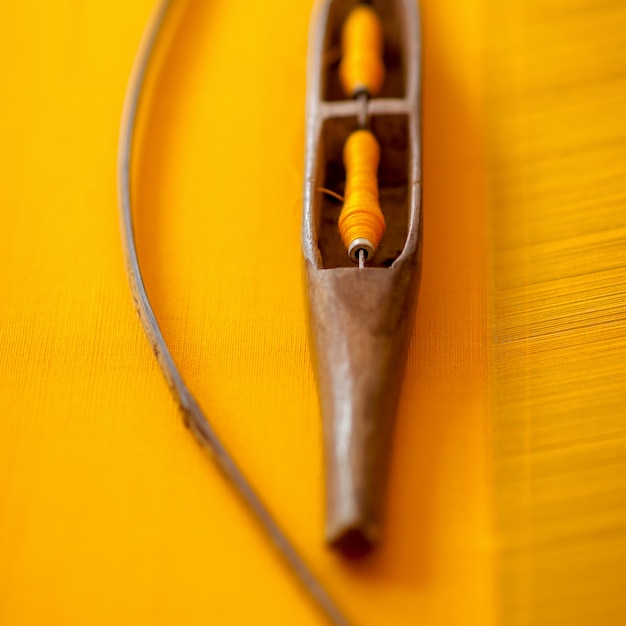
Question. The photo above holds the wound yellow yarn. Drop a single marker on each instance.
(361, 217)
(361, 65)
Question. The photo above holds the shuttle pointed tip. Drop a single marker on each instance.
(353, 541)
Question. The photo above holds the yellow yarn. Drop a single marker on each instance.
(361, 217)
(362, 52)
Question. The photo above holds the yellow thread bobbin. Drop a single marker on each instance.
(361, 222)
(362, 67)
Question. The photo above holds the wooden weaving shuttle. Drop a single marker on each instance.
(361, 314)
(360, 317)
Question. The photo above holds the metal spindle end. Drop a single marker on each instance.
(360, 251)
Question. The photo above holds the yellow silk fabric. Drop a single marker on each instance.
(557, 148)
(506, 491)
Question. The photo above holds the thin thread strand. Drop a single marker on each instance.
(192, 413)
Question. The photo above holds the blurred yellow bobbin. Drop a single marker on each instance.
(361, 68)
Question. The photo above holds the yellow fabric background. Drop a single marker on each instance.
(557, 157)
(109, 512)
